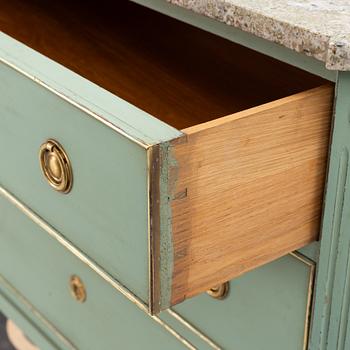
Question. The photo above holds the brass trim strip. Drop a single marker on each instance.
(174, 333)
(75, 104)
(37, 314)
(87, 261)
(303, 258)
(193, 329)
(153, 174)
(312, 265)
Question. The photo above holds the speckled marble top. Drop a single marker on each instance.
(317, 28)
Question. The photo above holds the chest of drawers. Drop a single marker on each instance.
(154, 162)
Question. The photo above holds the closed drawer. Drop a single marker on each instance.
(40, 269)
(227, 177)
(266, 309)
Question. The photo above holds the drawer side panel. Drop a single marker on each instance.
(254, 186)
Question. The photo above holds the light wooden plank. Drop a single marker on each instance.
(248, 189)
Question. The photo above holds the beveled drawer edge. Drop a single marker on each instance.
(74, 103)
(121, 116)
(87, 261)
(160, 243)
(161, 166)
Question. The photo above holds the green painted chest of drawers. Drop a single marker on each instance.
(143, 165)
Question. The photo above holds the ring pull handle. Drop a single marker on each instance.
(55, 166)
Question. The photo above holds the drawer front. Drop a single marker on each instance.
(106, 212)
(266, 309)
(40, 269)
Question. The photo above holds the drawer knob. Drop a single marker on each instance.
(77, 289)
(56, 166)
(220, 291)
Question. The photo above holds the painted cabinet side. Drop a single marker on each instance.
(331, 329)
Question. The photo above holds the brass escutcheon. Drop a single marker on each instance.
(55, 165)
(77, 288)
(220, 291)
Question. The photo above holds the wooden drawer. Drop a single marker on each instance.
(272, 303)
(213, 167)
(38, 270)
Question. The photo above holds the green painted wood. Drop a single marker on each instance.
(265, 310)
(331, 327)
(127, 118)
(39, 268)
(185, 331)
(312, 251)
(243, 38)
(106, 213)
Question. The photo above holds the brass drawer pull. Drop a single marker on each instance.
(56, 166)
(220, 291)
(77, 288)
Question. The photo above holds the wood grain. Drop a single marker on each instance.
(180, 74)
(248, 189)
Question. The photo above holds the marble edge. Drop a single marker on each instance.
(332, 49)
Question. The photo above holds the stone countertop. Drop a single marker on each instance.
(317, 28)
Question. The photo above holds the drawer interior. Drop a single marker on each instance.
(180, 74)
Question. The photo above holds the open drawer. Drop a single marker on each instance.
(192, 161)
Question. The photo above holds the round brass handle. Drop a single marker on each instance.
(56, 166)
(220, 291)
(77, 289)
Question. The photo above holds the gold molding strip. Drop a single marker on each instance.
(312, 265)
(303, 259)
(153, 204)
(75, 104)
(194, 330)
(92, 265)
(174, 333)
